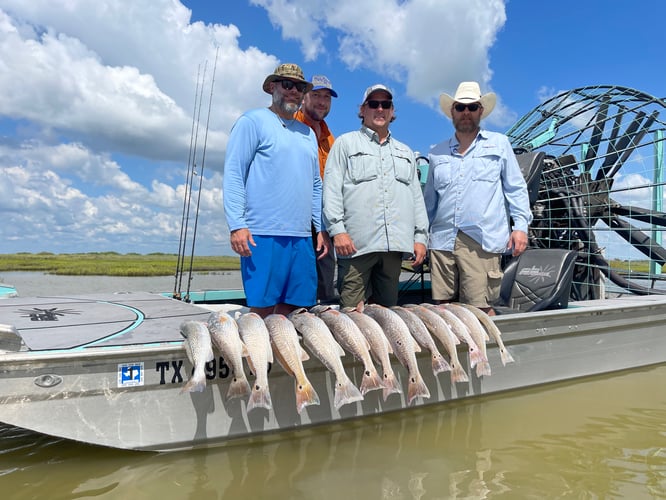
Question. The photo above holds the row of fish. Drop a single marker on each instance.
(370, 336)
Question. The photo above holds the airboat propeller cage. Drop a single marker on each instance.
(600, 189)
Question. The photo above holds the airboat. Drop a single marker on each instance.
(109, 369)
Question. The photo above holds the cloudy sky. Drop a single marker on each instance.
(99, 99)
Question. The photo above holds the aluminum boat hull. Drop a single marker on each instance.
(109, 369)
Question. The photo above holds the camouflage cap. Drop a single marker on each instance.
(287, 71)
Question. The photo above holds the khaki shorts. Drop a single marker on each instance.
(375, 274)
(469, 274)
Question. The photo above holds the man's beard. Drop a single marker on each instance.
(466, 126)
(285, 107)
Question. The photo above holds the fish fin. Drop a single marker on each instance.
(244, 352)
(345, 393)
(416, 389)
(260, 398)
(360, 306)
(458, 374)
(239, 388)
(304, 354)
(391, 385)
(506, 356)
(371, 380)
(251, 365)
(305, 395)
(476, 356)
(195, 384)
(483, 368)
(283, 363)
(439, 364)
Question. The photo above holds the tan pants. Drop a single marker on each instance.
(469, 274)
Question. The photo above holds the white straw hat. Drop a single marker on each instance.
(468, 92)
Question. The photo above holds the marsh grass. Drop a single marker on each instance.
(113, 264)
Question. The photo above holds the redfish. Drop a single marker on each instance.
(290, 354)
(254, 335)
(199, 351)
(404, 347)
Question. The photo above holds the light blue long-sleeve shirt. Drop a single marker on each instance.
(476, 193)
(372, 192)
(271, 176)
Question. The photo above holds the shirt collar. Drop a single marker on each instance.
(454, 144)
(323, 127)
(372, 135)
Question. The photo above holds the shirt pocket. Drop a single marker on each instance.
(441, 170)
(363, 168)
(403, 169)
(488, 167)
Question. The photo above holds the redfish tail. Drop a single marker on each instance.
(416, 388)
(345, 393)
(483, 368)
(260, 398)
(391, 385)
(458, 374)
(239, 388)
(506, 357)
(439, 364)
(195, 384)
(476, 356)
(305, 395)
(371, 380)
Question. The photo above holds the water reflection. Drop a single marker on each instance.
(567, 440)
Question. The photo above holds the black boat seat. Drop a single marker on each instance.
(531, 165)
(539, 279)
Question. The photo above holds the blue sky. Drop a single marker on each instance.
(97, 98)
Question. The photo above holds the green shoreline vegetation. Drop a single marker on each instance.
(113, 263)
(159, 264)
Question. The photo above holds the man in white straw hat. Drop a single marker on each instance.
(373, 205)
(477, 203)
(272, 197)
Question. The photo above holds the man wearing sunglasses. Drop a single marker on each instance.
(477, 203)
(272, 197)
(373, 205)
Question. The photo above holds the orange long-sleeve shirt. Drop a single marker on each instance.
(324, 140)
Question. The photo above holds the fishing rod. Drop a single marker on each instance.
(203, 161)
(189, 180)
(183, 229)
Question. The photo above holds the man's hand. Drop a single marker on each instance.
(419, 254)
(323, 244)
(343, 244)
(241, 239)
(517, 242)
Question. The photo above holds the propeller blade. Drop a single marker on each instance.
(639, 240)
(638, 213)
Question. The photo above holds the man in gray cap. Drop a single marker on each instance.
(477, 203)
(315, 108)
(272, 198)
(373, 205)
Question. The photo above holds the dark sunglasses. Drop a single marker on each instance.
(459, 107)
(383, 104)
(290, 84)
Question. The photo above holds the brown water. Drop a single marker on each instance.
(602, 437)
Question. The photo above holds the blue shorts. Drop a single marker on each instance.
(281, 270)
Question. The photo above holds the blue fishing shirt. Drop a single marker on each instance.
(476, 193)
(271, 179)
